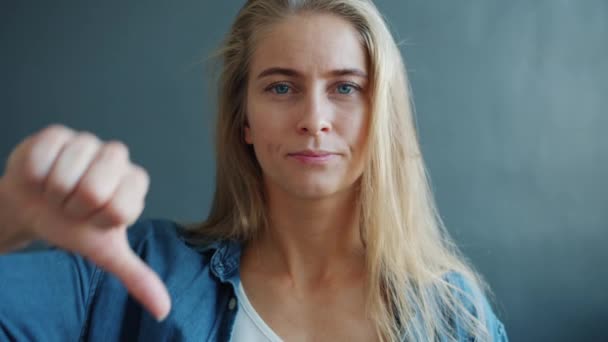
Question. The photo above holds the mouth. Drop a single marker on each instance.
(313, 156)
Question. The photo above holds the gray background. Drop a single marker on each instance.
(510, 98)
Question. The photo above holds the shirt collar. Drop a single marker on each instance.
(225, 259)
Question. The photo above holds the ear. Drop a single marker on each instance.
(247, 134)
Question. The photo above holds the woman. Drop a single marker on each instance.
(323, 226)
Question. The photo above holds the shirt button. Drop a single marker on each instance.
(232, 303)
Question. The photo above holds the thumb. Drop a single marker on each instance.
(139, 279)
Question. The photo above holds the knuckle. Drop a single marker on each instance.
(119, 214)
(51, 135)
(36, 151)
(116, 149)
(86, 138)
(82, 146)
(133, 211)
(59, 186)
(92, 194)
(126, 206)
(136, 208)
(141, 175)
(56, 130)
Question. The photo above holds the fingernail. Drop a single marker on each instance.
(162, 317)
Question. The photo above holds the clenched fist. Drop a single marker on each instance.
(80, 194)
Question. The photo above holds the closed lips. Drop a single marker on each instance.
(312, 153)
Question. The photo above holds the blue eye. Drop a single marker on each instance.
(280, 89)
(345, 88)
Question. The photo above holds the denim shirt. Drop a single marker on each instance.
(54, 295)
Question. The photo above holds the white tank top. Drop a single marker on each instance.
(248, 325)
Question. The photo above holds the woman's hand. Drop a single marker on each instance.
(79, 194)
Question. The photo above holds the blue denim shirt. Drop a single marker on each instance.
(54, 295)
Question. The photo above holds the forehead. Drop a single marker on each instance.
(310, 43)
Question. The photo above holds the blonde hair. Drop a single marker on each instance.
(408, 251)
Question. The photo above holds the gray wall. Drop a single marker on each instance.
(510, 97)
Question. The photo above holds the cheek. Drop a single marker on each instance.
(264, 118)
(265, 137)
(269, 124)
(265, 131)
(354, 129)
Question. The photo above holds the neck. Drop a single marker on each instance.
(311, 242)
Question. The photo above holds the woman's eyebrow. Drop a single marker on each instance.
(279, 71)
(348, 72)
(294, 73)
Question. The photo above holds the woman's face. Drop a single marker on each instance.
(307, 105)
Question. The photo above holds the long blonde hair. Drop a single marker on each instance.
(408, 251)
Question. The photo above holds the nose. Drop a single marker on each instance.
(315, 118)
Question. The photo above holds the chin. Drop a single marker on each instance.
(314, 190)
(313, 187)
(312, 194)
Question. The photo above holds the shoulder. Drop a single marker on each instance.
(153, 231)
(165, 246)
(161, 235)
(473, 298)
(160, 244)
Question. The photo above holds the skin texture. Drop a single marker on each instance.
(305, 274)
